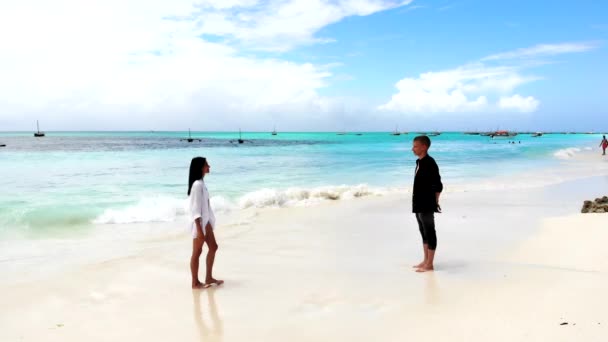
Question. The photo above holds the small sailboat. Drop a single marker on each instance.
(274, 131)
(240, 138)
(537, 134)
(396, 131)
(189, 136)
(38, 134)
(190, 139)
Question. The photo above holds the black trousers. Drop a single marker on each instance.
(426, 224)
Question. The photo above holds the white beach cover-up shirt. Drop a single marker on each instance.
(200, 207)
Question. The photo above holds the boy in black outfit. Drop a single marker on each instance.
(425, 199)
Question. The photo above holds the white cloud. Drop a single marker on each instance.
(282, 25)
(464, 89)
(226, 4)
(518, 103)
(543, 50)
(96, 64)
(477, 86)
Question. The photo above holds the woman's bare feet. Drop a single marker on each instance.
(419, 265)
(211, 282)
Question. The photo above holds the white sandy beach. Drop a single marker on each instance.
(511, 266)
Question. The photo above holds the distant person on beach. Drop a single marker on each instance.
(425, 199)
(202, 223)
(604, 144)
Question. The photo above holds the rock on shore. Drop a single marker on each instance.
(600, 205)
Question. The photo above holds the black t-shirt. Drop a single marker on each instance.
(427, 182)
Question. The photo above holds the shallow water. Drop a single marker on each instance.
(71, 180)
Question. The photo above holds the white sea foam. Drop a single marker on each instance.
(220, 204)
(300, 197)
(167, 209)
(154, 209)
(566, 153)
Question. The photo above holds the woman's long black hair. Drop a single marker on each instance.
(196, 171)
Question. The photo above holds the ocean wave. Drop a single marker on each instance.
(155, 209)
(567, 153)
(167, 209)
(300, 196)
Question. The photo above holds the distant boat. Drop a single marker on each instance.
(396, 132)
(240, 139)
(2, 145)
(359, 134)
(189, 139)
(274, 131)
(434, 134)
(341, 133)
(189, 136)
(38, 133)
(502, 134)
(537, 134)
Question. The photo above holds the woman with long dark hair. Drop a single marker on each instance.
(202, 223)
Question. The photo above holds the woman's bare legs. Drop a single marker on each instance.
(212, 244)
(197, 250)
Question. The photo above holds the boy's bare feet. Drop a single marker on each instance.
(425, 268)
(198, 285)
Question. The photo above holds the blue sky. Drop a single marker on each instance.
(304, 65)
(391, 44)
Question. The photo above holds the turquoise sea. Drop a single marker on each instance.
(77, 180)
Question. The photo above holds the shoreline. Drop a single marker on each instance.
(152, 189)
(86, 245)
(162, 208)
